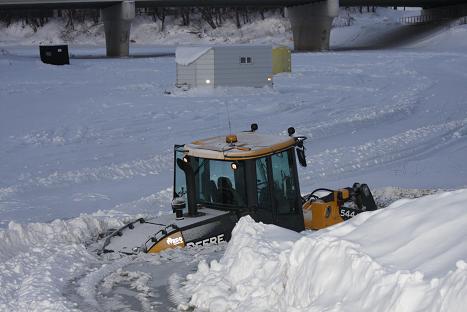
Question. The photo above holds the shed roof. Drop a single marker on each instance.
(249, 145)
(186, 55)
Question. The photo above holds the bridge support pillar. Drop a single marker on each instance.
(117, 23)
(311, 24)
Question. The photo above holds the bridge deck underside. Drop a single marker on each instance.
(57, 4)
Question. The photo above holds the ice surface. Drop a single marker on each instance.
(410, 256)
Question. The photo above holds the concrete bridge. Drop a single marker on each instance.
(311, 20)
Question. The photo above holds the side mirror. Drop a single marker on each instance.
(301, 150)
(301, 156)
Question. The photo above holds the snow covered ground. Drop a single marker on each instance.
(90, 145)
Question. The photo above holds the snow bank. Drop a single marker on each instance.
(144, 30)
(451, 39)
(410, 256)
(274, 29)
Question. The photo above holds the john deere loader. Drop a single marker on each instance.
(220, 179)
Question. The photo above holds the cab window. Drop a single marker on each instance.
(220, 183)
(180, 189)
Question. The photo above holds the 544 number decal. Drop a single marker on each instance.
(347, 213)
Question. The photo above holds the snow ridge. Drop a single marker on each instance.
(344, 268)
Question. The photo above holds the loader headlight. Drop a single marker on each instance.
(208, 81)
(269, 78)
(234, 166)
(185, 159)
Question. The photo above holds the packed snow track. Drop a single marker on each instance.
(139, 283)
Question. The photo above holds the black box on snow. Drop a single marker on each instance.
(54, 54)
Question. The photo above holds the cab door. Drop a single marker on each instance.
(264, 211)
(285, 194)
(179, 184)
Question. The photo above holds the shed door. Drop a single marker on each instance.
(186, 75)
(194, 69)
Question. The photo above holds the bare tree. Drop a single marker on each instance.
(185, 13)
(237, 18)
(206, 14)
(69, 18)
(160, 13)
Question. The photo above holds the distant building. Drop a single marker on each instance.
(242, 65)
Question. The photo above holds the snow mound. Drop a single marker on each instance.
(451, 39)
(406, 257)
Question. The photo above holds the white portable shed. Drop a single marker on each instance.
(242, 65)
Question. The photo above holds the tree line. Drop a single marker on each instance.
(214, 17)
(184, 16)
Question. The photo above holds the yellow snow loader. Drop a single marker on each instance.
(220, 179)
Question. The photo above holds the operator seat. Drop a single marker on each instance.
(225, 191)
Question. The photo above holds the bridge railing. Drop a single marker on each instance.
(420, 19)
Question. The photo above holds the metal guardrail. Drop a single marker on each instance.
(421, 19)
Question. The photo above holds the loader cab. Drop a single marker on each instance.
(247, 173)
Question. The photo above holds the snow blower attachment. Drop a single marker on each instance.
(220, 179)
(336, 205)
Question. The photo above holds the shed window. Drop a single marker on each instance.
(245, 60)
